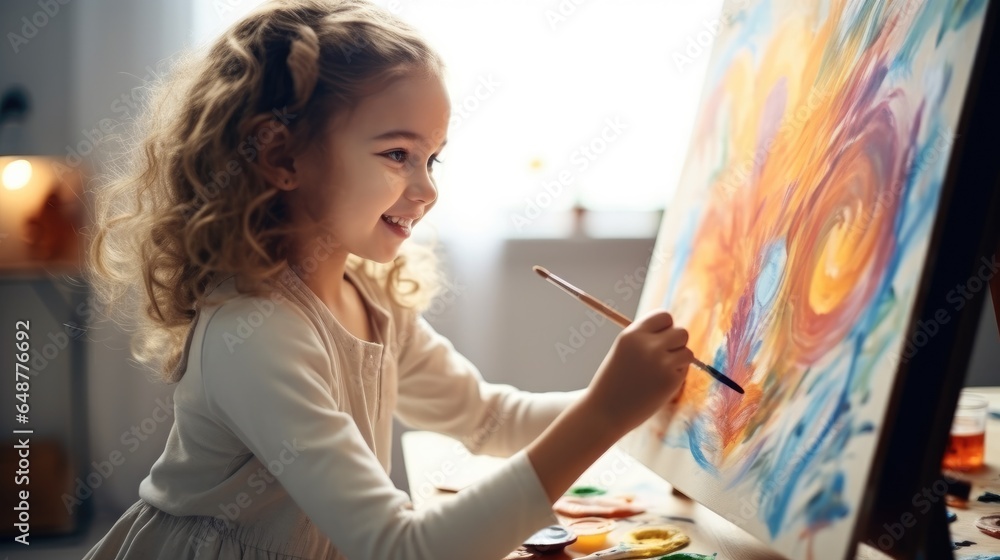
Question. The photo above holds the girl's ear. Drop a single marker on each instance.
(272, 141)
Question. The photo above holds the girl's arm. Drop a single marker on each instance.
(643, 371)
(442, 391)
(566, 432)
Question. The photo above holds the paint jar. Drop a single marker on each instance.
(591, 533)
(967, 440)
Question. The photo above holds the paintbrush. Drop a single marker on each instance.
(624, 321)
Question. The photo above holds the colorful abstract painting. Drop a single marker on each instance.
(794, 248)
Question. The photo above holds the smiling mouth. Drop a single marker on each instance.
(405, 223)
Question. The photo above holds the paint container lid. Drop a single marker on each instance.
(658, 539)
(597, 506)
(591, 526)
(551, 539)
(591, 532)
(989, 525)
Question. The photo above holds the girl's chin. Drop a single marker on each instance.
(382, 257)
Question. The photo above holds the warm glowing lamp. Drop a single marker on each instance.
(16, 174)
(41, 213)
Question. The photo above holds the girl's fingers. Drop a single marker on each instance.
(673, 339)
(687, 355)
(679, 358)
(655, 321)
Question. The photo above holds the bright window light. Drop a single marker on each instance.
(555, 103)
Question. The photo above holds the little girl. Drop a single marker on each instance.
(266, 217)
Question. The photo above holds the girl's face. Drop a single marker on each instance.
(370, 177)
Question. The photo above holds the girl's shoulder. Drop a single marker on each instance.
(236, 317)
(247, 327)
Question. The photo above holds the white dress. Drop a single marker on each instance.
(281, 441)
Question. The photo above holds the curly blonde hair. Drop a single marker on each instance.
(180, 214)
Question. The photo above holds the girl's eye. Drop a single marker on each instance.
(402, 156)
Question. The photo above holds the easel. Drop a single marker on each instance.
(936, 540)
(995, 292)
(914, 432)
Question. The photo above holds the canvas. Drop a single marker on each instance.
(793, 250)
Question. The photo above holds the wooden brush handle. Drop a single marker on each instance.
(621, 320)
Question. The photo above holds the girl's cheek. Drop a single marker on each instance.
(393, 180)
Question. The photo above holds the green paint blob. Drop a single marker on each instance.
(688, 556)
(584, 491)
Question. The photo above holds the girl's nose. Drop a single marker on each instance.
(422, 189)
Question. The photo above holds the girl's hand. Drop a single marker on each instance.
(642, 373)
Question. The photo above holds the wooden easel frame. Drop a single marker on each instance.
(995, 293)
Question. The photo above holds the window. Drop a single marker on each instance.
(554, 103)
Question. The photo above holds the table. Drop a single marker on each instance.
(432, 458)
